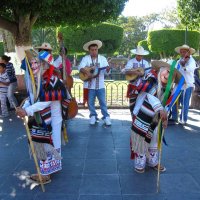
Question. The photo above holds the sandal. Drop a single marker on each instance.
(45, 179)
(162, 168)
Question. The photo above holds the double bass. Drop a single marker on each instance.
(68, 80)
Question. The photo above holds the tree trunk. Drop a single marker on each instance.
(21, 31)
(8, 41)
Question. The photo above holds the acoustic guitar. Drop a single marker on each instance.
(134, 76)
(93, 71)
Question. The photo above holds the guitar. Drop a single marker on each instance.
(93, 71)
(134, 76)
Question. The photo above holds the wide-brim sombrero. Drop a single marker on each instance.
(192, 51)
(97, 42)
(157, 64)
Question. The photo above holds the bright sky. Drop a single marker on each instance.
(144, 7)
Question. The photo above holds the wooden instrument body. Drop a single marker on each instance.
(132, 77)
(93, 71)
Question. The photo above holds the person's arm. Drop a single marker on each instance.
(158, 108)
(30, 110)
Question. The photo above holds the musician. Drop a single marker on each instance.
(186, 65)
(58, 61)
(137, 62)
(95, 85)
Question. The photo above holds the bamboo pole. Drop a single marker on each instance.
(33, 151)
(159, 162)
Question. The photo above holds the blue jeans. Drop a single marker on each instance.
(100, 94)
(185, 101)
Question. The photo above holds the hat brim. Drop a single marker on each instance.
(157, 64)
(144, 53)
(97, 42)
(192, 51)
(31, 54)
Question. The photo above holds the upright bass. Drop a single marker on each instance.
(68, 80)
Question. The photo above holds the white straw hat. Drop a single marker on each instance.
(97, 42)
(139, 51)
(192, 51)
(45, 46)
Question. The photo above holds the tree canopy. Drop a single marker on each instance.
(189, 12)
(166, 40)
(19, 16)
(75, 37)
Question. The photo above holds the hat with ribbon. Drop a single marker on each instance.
(96, 42)
(139, 51)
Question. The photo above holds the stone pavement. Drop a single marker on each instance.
(96, 164)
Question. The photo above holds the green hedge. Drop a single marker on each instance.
(152, 55)
(75, 37)
(1, 49)
(166, 40)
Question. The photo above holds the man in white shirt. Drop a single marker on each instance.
(186, 65)
(137, 62)
(95, 84)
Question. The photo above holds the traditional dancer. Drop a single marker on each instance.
(46, 108)
(148, 109)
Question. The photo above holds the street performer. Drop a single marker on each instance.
(146, 114)
(46, 108)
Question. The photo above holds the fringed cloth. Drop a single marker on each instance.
(140, 146)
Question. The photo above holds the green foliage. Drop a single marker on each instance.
(152, 55)
(166, 40)
(1, 49)
(76, 37)
(47, 34)
(189, 12)
(51, 12)
(135, 30)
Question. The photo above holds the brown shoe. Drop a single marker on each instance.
(162, 168)
(45, 179)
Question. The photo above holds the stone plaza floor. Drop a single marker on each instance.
(96, 163)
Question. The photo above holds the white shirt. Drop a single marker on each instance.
(56, 115)
(98, 82)
(188, 74)
(133, 63)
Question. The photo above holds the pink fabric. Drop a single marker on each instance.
(68, 66)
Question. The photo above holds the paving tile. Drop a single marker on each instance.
(95, 153)
(55, 196)
(102, 166)
(100, 197)
(138, 183)
(182, 183)
(100, 184)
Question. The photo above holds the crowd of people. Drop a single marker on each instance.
(153, 90)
